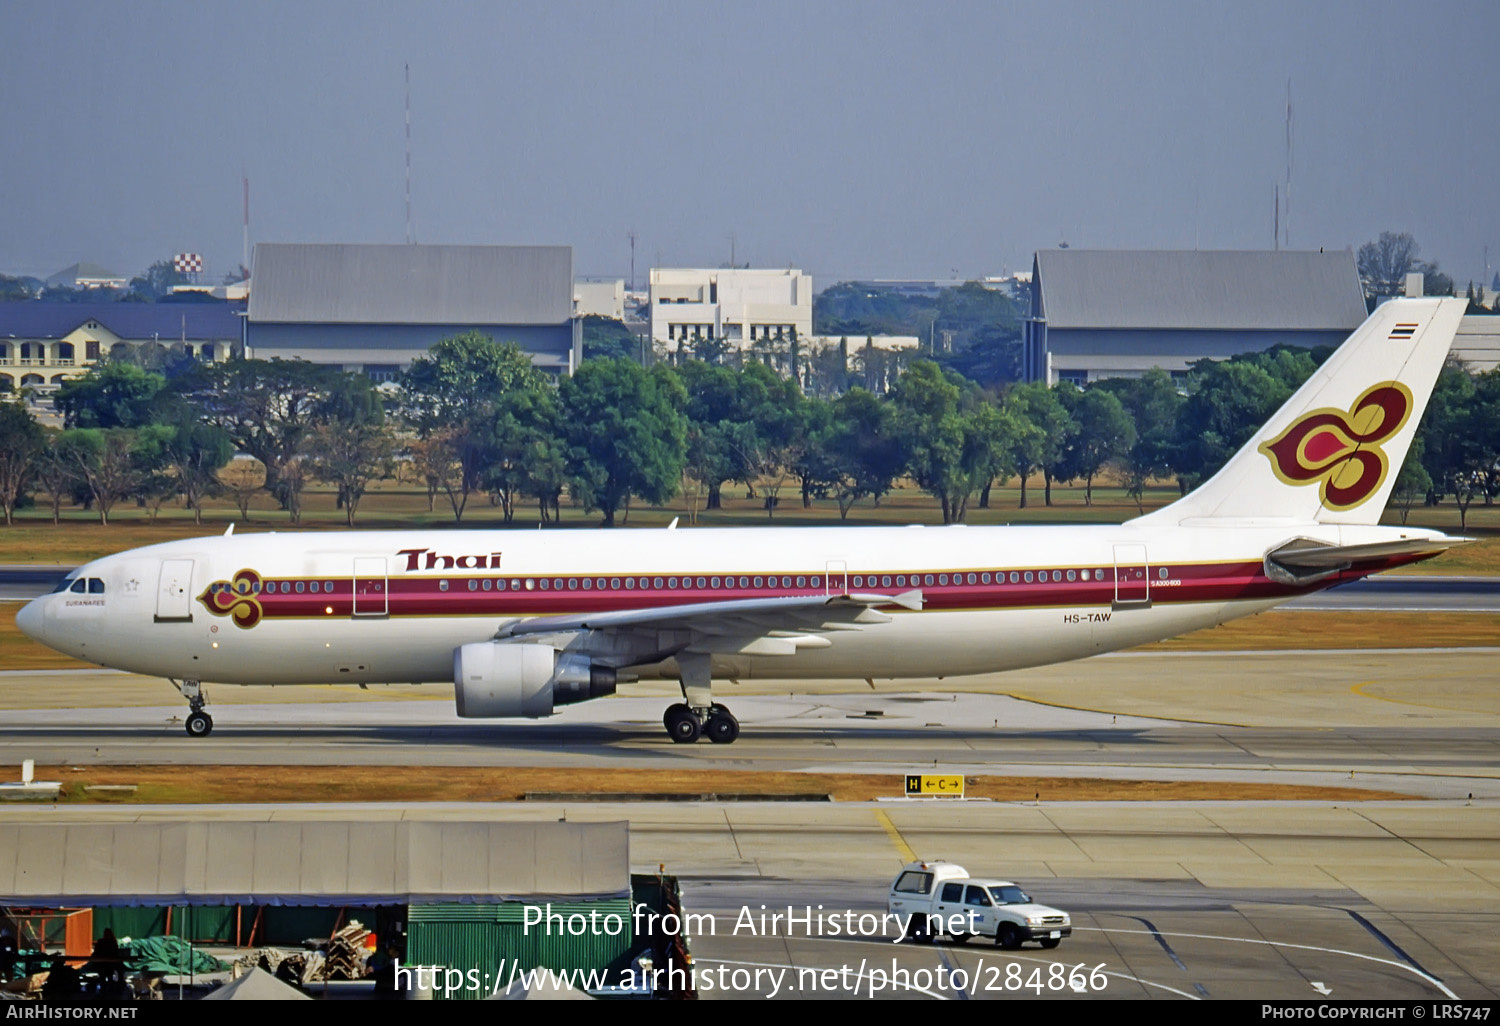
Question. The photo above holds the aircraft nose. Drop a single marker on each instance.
(31, 619)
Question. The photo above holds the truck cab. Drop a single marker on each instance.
(942, 898)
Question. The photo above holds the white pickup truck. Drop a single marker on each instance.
(941, 898)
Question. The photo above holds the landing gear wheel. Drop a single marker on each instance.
(199, 724)
(722, 728)
(683, 724)
(1050, 943)
(673, 711)
(1008, 937)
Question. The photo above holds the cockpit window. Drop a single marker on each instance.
(64, 584)
(79, 586)
(96, 586)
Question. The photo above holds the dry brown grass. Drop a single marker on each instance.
(1315, 628)
(281, 784)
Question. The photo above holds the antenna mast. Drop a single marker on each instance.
(245, 256)
(1286, 222)
(408, 154)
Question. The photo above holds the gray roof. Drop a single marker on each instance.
(1198, 289)
(83, 271)
(358, 284)
(311, 863)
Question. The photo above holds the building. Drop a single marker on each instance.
(87, 276)
(376, 308)
(1118, 313)
(600, 299)
(44, 344)
(739, 307)
(457, 890)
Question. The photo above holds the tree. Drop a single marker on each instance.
(196, 452)
(956, 441)
(55, 474)
(605, 338)
(453, 394)
(1105, 434)
(350, 454)
(1413, 483)
(626, 433)
(111, 395)
(1385, 263)
(267, 407)
(244, 478)
(1042, 426)
(105, 461)
(22, 442)
(157, 281)
(862, 448)
(1227, 403)
(1153, 403)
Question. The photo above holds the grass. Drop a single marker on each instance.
(1317, 628)
(268, 784)
(80, 537)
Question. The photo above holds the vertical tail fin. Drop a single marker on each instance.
(1331, 454)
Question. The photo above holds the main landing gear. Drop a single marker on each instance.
(700, 715)
(685, 725)
(198, 723)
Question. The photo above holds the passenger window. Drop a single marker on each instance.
(953, 892)
(299, 587)
(96, 586)
(976, 896)
(314, 587)
(1028, 577)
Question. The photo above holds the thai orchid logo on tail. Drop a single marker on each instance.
(1342, 449)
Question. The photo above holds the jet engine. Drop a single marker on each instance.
(493, 679)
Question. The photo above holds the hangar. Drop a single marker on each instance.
(455, 890)
(375, 308)
(1118, 313)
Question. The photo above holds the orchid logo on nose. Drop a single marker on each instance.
(1342, 449)
(238, 599)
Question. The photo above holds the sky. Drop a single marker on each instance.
(863, 139)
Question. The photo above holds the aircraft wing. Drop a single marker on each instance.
(768, 626)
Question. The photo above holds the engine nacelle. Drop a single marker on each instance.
(495, 679)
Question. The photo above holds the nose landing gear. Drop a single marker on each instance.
(198, 723)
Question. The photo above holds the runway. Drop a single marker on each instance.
(1425, 723)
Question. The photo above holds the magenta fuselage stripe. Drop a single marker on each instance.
(425, 596)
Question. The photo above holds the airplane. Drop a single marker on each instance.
(523, 623)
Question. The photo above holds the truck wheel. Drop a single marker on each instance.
(1051, 942)
(961, 938)
(1008, 937)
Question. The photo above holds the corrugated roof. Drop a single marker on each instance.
(86, 271)
(311, 863)
(359, 284)
(135, 321)
(1197, 289)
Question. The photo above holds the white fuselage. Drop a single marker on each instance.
(391, 607)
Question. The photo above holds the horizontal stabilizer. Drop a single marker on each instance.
(1314, 556)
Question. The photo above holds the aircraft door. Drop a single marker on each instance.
(1132, 576)
(370, 586)
(174, 592)
(836, 578)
